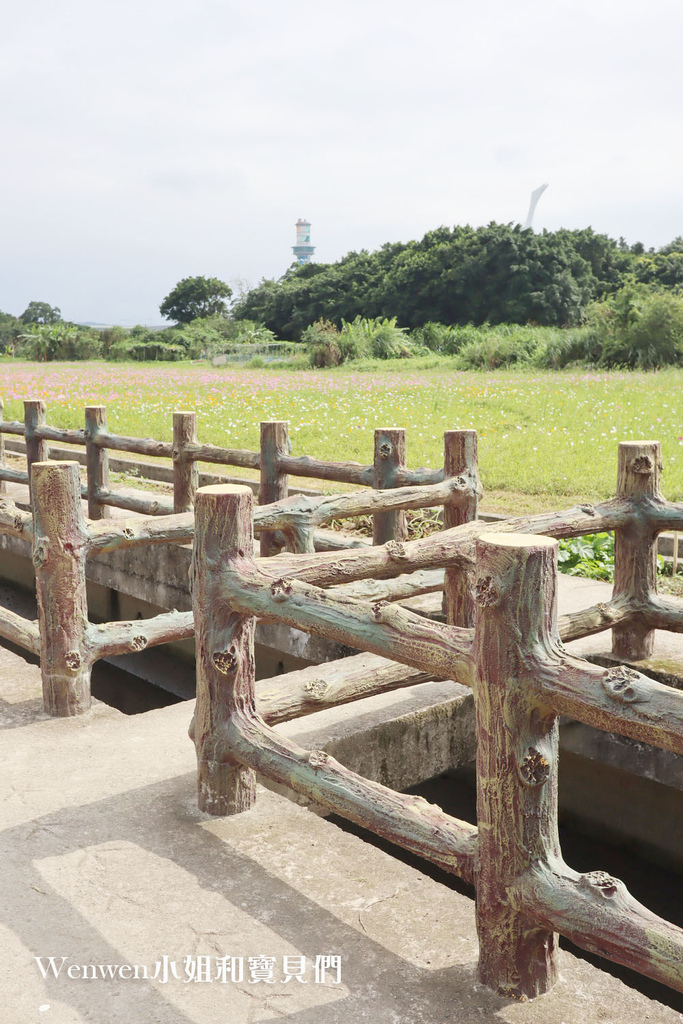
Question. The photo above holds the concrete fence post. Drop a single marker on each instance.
(3, 483)
(97, 461)
(35, 415)
(59, 555)
(274, 484)
(389, 460)
(185, 470)
(460, 459)
(635, 546)
(517, 748)
(224, 645)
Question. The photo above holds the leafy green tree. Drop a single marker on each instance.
(663, 268)
(500, 273)
(41, 313)
(11, 328)
(196, 297)
(46, 342)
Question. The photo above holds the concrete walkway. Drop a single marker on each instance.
(106, 861)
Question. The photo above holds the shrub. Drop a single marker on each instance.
(46, 342)
(322, 339)
(571, 345)
(325, 353)
(433, 336)
(111, 336)
(651, 337)
(499, 346)
(250, 333)
(378, 337)
(591, 556)
(147, 351)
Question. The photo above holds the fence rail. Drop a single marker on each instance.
(62, 540)
(388, 573)
(274, 460)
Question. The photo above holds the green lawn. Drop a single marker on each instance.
(545, 438)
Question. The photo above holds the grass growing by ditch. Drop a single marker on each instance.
(546, 439)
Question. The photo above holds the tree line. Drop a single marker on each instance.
(405, 299)
(495, 274)
(198, 305)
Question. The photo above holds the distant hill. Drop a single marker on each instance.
(103, 327)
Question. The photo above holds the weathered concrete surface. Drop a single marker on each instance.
(106, 860)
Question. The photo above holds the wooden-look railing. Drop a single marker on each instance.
(522, 677)
(388, 573)
(274, 460)
(62, 539)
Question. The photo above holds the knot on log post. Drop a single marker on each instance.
(534, 769)
(316, 689)
(138, 643)
(485, 592)
(281, 589)
(605, 611)
(41, 553)
(385, 450)
(225, 662)
(642, 464)
(588, 509)
(396, 550)
(378, 610)
(620, 683)
(72, 660)
(128, 532)
(318, 758)
(18, 523)
(606, 885)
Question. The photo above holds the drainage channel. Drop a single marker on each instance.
(658, 887)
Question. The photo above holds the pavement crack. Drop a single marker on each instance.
(372, 903)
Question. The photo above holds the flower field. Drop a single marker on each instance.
(540, 433)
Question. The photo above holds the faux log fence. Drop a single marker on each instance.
(522, 677)
(62, 538)
(388, 573)
(391, 572)
(274, 460)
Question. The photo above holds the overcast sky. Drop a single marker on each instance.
(144, 141)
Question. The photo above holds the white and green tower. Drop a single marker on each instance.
(303, 250)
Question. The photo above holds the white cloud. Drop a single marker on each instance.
(145, 141)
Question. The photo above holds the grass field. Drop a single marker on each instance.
(546, 439)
